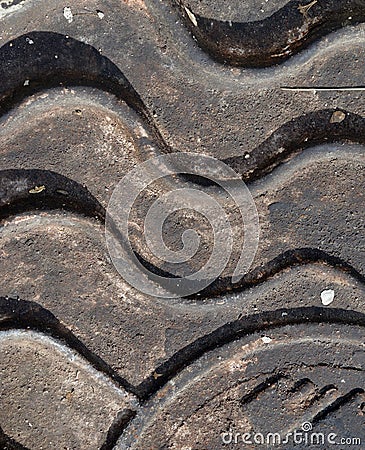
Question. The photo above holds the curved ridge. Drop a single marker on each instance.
(81, 64)
(318, 127)
(284, 261)
(42, 59)
(33, 189)
(244, 326)
(23, 190)
(16, 313)
(274, 39)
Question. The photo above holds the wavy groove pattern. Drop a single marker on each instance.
(273, 39)
(24, 190)
(53, 251)
(263, 382)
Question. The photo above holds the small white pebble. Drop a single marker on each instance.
(30, 41)
(327, 296)
(266, 339)
(68, 14)
(100, 14)
(26, 83)
(247, 156)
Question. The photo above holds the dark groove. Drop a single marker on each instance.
(276, 38)
(248, 398)
(299, 384)
(242, 327)
(336, 405)
(77, 64)
(18, 193)
(116, 429)
(15, 313)
(8, 443)
(286, 260)
(296, 135)
(80, 64)
(60, 192)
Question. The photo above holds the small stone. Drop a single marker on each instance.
(338, 117)
(67, 13)
(100, 14)
(266, 339)
(26, 83)
(327, 296)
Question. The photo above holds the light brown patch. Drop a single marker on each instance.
(138, 4)
(338, 117)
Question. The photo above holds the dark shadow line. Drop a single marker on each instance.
(245, 326)
(272, 40)
(8, 443)
(248, 398)
(79, 64)
(23, 190)
(337, 404)
(54, 60)
(20, 314)
(116, 429)
(318, 127)
(291, 258)
(59, 192)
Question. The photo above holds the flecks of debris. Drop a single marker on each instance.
(303, 9)
(191, 16)
(37, 189)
